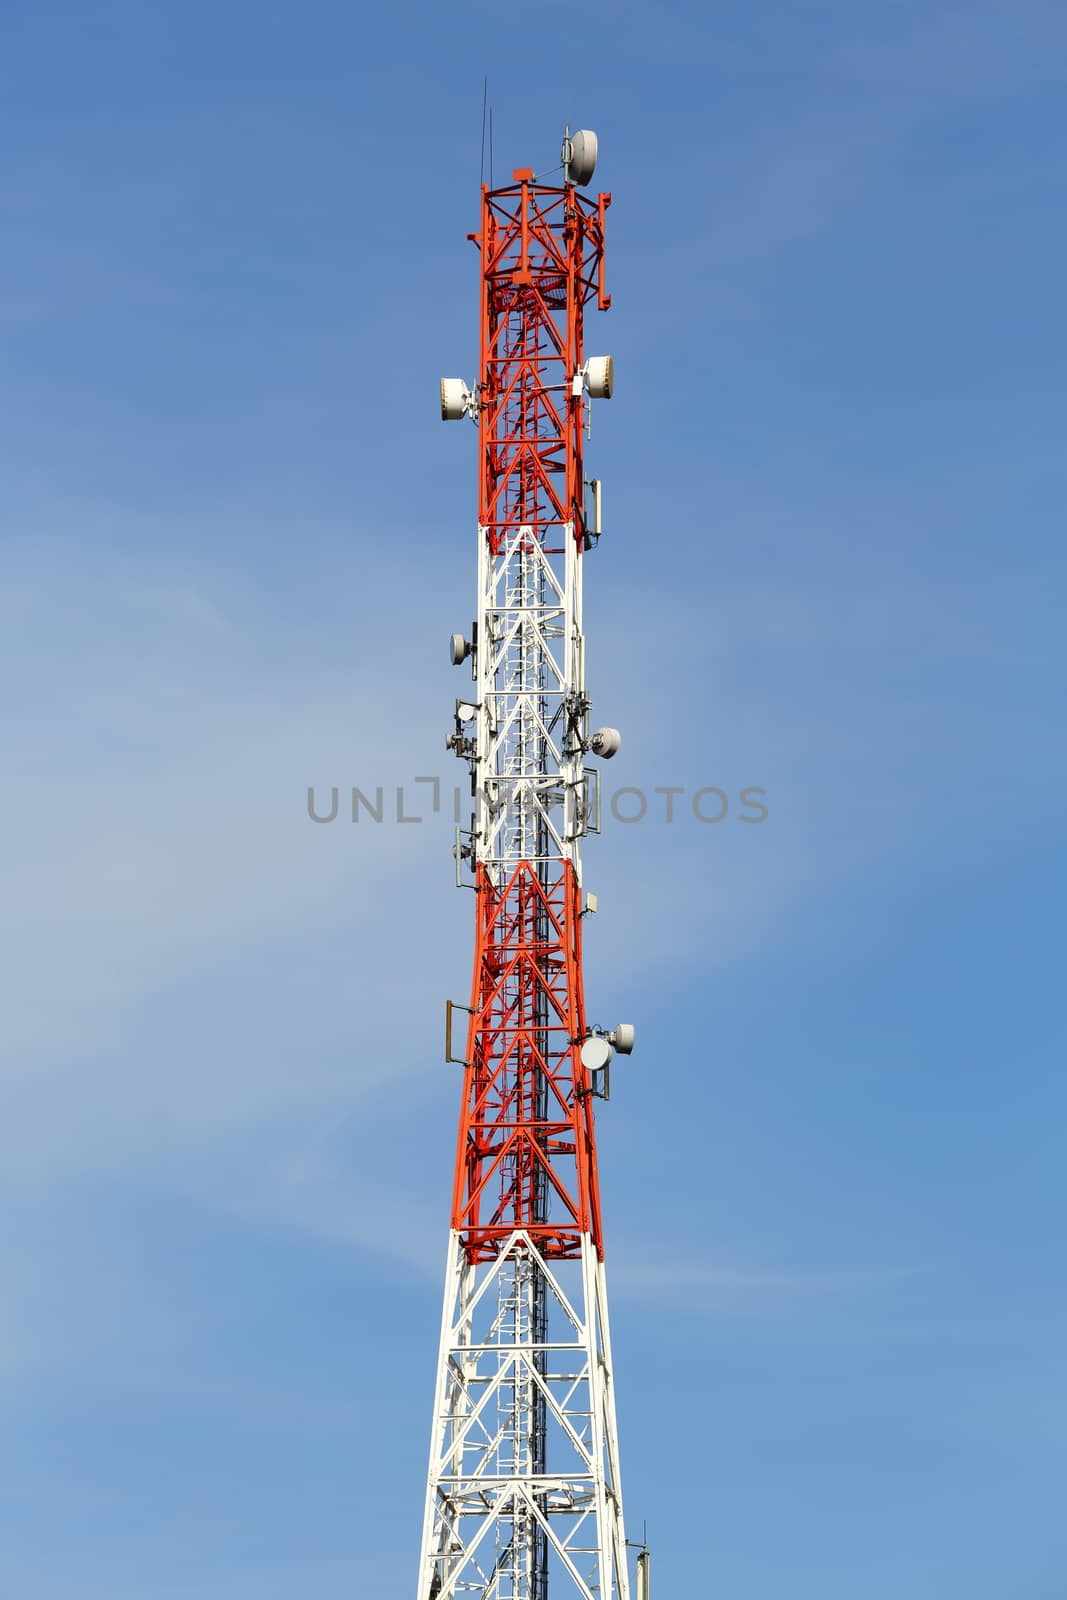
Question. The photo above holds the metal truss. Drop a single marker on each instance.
(500, 1521)
(523, 1491)
(526, 1147)
(531, 788)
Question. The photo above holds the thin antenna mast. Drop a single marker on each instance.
(485, 98)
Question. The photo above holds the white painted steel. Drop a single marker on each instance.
(532, 801)
(495, 1528)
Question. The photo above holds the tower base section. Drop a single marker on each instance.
(523, 1493)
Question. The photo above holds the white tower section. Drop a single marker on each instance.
(532, 792)
(524, 1495)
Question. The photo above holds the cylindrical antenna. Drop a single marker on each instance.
(644, 1576)
(485, 101)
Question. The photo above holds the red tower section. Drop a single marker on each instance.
(526, 1155)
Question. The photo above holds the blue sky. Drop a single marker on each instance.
(235, 539)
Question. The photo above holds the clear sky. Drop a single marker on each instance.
(235, 539)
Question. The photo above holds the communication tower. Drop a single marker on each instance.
(524, 1494)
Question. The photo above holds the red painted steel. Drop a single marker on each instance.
(542, 255)
(526, 1153)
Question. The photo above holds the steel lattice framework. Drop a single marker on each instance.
(524, 1491)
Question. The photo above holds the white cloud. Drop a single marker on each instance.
(703, 1286)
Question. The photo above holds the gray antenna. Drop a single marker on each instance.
(578, 156)
(485, 101)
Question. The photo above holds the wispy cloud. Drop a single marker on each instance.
(704, 1286)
